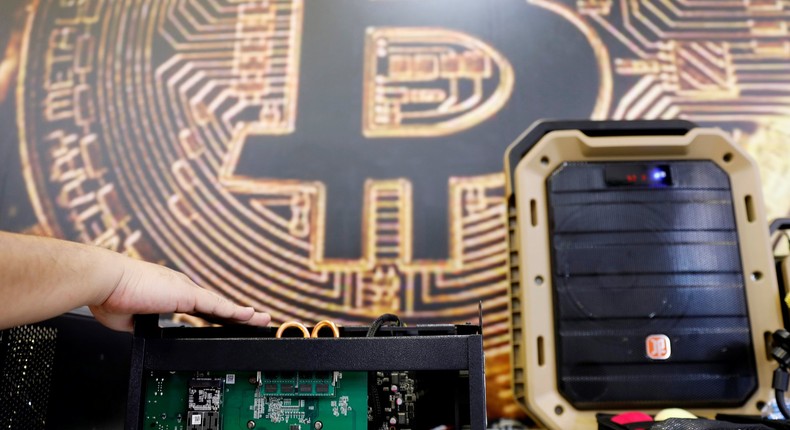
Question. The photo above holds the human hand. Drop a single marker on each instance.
(145, 288)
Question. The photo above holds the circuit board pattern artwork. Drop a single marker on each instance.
(137, 150)
(274, 163)
(429, 81)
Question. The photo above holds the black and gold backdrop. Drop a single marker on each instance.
(342, 158)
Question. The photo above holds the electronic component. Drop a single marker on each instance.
(299, 384)
(306, 384)
(393, 397)
(205, 394)
(636, 175)
(203, 421)
(205, 398)
(265, 400)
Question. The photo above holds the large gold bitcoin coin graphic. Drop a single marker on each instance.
(342, 158)
(162, 129)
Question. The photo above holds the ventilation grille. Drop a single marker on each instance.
(516, 324)
(649, 298)
(27, 355)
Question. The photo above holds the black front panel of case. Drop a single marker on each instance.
(648, 286)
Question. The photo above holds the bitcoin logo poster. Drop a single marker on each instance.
(342, 158)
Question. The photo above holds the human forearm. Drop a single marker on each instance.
(41, 278)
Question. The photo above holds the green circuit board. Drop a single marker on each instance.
(256, 400)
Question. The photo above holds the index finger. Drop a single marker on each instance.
(213, 305)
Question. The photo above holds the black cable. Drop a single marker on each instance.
(779, 384)
(780, 351)
(374, 397)
(783, 234)
(780, 402)
(780, 224)
(386, 318)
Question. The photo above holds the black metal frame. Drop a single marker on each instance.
(87, 386)
(426, 347)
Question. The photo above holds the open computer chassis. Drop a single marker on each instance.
(444, 361)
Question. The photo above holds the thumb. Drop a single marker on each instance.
(118, 322)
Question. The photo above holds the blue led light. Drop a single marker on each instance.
(659, 175)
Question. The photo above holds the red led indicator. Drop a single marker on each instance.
(638, 175)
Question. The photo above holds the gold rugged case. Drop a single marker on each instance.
(531, 311)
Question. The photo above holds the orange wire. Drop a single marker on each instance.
(290, 324)
(326, 323)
